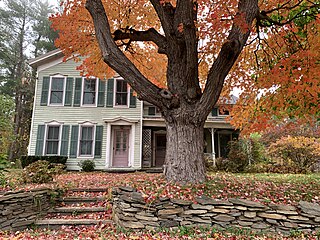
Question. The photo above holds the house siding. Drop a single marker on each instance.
(69, 115)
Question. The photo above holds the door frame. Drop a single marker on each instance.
(114, 128)
(109, 140)
(159, 132)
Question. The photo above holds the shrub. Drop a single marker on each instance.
(41, 172)
(87, 165)
(244, 153)
(3, 166)
(26, 160)
(299, 153)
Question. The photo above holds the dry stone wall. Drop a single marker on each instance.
(20, 209)
(130, 211)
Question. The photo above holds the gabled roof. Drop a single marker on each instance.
(45, 58)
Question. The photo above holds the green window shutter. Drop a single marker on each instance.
(74, 141)
(133, 99)
(45, 91)
(77, 92)
(64, 140)
(98, 141)
(102, 87)
(110, 85)
(40, 140)
(69, 87)
(214, 112)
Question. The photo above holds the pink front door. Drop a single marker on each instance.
(120, 147)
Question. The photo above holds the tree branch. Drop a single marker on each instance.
(115, 58)
(149, 35)
(165, 12)
(231, 49)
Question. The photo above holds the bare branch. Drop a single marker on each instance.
(115, 58)
(149, 35)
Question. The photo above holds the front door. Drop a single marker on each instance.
(160, 149)
(121, 147)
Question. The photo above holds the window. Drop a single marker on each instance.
(57, 90)
(121, 93)
(52, 140)
(89, 95)
(152, 111)
(223, 112)
(86, 141)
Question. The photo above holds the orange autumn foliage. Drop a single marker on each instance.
(277, 73)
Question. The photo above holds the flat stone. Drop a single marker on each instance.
(298, 218)
(223, 218)
(272, 216)
(170, 211)
(21, 223)
(208, 215)
(272, 221)
(181, 202)
(205, 200)
(244, 223)
(131, 209)
(282, 207)
(146, 218)
(246, 203)
(127, 189)
(200, 220)
(290, 225)
(317, 219)
(285, 212)
(150, 223)
(260, 225)
(249, 214)
(241, 208)
(185, 223)
(188, 212)
(204, 207)
(310, 208)
(220, 210)
(134, 225)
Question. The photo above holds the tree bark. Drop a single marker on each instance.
(184, 152)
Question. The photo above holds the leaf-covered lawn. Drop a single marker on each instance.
(278, 188)
(266, 188)
(108, 232)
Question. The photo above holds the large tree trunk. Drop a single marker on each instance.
(185, 152)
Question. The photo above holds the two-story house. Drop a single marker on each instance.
(90, 118)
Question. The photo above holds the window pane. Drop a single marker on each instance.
(56, 94)
(89, 91)
(121, 93)
(56, 97)
(52, 142)
(57, 84)
(53, 133)
(86, 141)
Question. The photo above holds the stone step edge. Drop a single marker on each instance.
(81, 199)
(88, 189)
(77, 209)
(60, 222)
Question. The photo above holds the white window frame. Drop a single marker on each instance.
(115, 94)
(223, 115)
(64, 90)
(82, 92)
(47, 125)
(87, 124)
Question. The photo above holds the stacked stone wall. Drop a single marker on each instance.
(130, 211)
(20, 209)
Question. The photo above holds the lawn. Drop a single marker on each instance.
(265, 188)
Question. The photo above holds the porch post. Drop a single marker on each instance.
(212, 146)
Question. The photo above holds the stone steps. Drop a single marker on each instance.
(72, 210)
(67, 215)
(57, 223)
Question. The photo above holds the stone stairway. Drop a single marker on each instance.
(78, 207)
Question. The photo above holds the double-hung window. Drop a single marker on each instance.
(52, 140)
(86, 141)
(89, 93)
(57, 88)
(121, 90)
